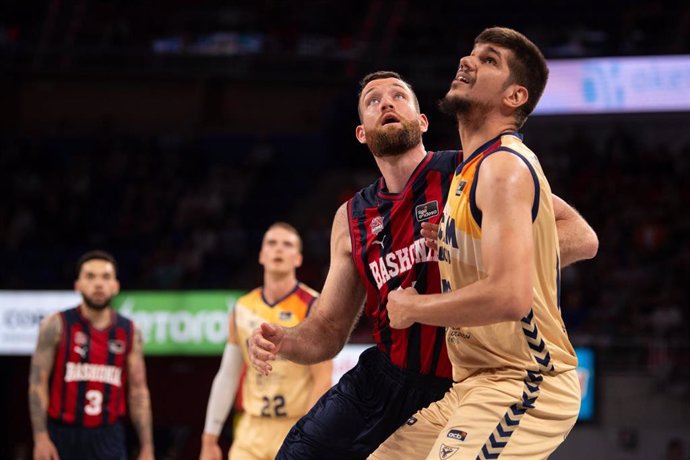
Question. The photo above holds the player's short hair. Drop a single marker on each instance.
(96, 254)
(380, 75)
(289, 228)
(527, 67)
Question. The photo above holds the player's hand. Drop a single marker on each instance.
(264, 345)
(210, 450)
(399, 307)
(430, 233)
(44, 449)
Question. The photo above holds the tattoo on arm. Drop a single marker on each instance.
(139, 399)
(41, 366)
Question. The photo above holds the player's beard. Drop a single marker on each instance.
(386, 142)
(92, 304)
(463, 109)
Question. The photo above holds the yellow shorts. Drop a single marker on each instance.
(259, 438)
(509, 414)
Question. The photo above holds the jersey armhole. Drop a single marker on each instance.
(474, 209)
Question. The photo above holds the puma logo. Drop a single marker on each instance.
(380, 242)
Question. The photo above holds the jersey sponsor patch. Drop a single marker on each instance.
(456, 434)
(116, 347)
(461, 187)
(426, 211)
(376, 225)
(285, 315)
(446, 451)
(80, 338)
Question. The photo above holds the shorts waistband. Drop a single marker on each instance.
(380, 362)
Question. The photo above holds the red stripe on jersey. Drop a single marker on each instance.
(118, 406)
(304, 295)
(71, 405)
(95, 391)
(389, 253)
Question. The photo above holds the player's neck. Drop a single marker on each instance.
(100, 319)
(277, 286)
(475, 134)
(396, 170)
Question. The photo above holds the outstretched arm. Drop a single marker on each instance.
(138, 398)
(324, 332)
(41, 366)
(577, 240)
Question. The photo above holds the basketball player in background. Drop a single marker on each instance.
(272, 403)
(377, 247)
(84, 358)
(516, 393)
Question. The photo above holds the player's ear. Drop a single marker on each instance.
(360, 134)
(423, 122)
(516, 96)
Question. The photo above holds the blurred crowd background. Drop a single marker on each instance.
(172, 133)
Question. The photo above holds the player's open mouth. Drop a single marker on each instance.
(388, 119)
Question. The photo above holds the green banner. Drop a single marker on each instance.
(179, 322)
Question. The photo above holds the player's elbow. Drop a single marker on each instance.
(591, 246)
(517, 302)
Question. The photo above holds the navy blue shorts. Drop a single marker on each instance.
(366, 406)
(75, 442)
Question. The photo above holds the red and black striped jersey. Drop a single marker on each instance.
(389, 252)
(87, 385)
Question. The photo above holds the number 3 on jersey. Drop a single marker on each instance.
(278, 404)
(95, 405)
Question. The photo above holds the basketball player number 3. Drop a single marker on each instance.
(278, 406)
(95, 405)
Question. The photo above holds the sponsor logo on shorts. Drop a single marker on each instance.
(426, 211)
(446, 451)
(376, 225)
(456, 434)
(411, 421)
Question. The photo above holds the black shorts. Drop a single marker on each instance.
(366, 406)
(79, 443)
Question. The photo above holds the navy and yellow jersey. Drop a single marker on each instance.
(87, 385)
(539, 342)
(285, 391)
(389, 252)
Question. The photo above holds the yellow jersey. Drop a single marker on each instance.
(537, 343)
(285, 391)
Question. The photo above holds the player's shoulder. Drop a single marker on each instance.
(250, 296)
(307, 291)
(445, 159)
(366, 197)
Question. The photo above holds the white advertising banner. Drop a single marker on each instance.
(21, 313)
(617, 85)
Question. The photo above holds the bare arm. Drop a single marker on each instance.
(324, 332)
(505, 194)
(41, 367)
(322, 373)
(138, 398)
(577, 240)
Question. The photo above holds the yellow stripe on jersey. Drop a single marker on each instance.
(285, 391)
(513, 345)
